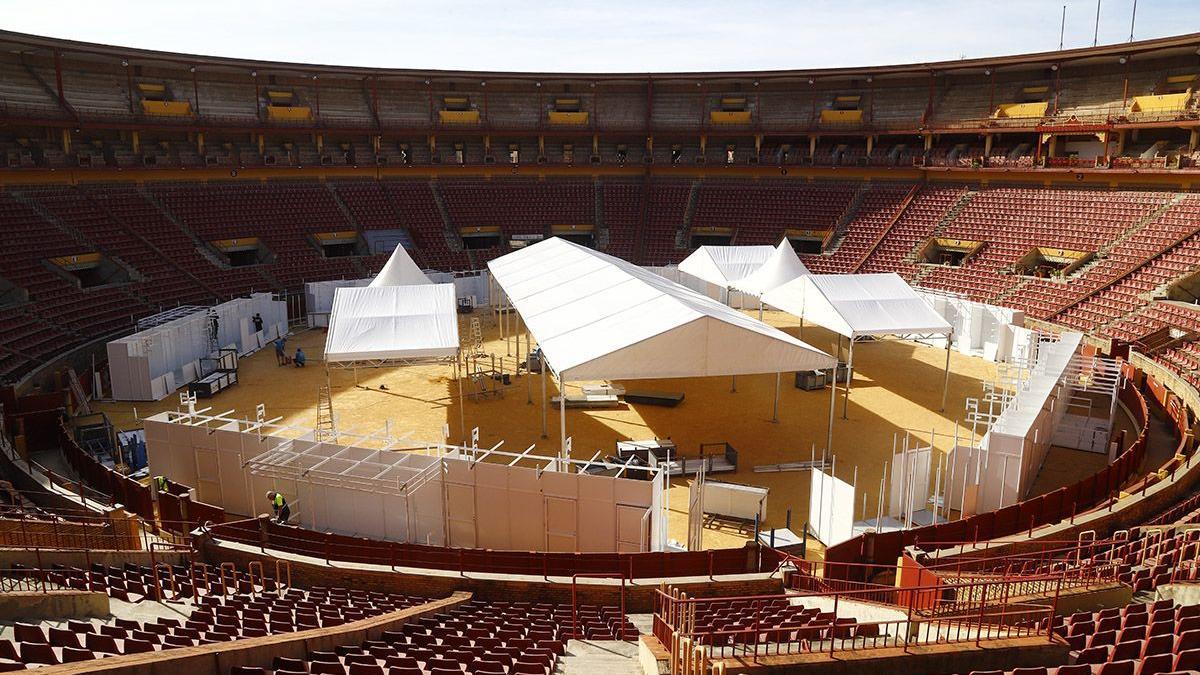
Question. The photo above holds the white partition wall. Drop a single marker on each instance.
(150, 364)
(980, 329)
(318, 298)
(830, 508)
(437, 495)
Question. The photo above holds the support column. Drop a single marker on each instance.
(562, 416)
(849, 378)
(987, 145)
(946, 377)
(545, 401)
(832, 403)
(462, 402)
(812, 147)
(775, 408)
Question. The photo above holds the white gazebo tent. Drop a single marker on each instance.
(599, 317)
(781, 267)
(721, 266)
(857, 306)
(752, 270)
(401, 318)
(400, 270)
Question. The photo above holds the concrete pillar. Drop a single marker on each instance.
(987, 145)
(928, 141)
(870, 145)
(812, 147)
(1120, 142)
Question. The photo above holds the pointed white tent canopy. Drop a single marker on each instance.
(599, 317)
(723, 265)
(400, 270)
(781, 267)
(861, 305)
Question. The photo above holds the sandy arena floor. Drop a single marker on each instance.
(897, 385)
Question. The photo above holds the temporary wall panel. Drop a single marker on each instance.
(150, 364)
(407, 496)
(830, 508)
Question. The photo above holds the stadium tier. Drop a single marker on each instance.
(153, 205)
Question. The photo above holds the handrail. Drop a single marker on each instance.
(331, 547)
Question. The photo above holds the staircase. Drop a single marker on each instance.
(843, 224)
(1145, 261)
(201, 247)
(912, 194)
(942, 224)
(66, 106)
(453, 237)
(85, 243)
(601, 230)
(1009, 292)
(681, 235)
(132, 231)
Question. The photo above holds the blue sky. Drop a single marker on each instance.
(612, 36)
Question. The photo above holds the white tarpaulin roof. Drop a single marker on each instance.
(782, 266)
(375, 323)
(723, 265)
(599, 317)
(400, 270)
(858, 304)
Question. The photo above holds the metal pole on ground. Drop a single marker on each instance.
(562, 415)
(946, 377)
(832, 403)
(462, 402)
(775, 409)
(849, 377)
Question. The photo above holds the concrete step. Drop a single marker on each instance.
(585, 657)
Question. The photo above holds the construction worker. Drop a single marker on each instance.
(280, 507)
(160, 485)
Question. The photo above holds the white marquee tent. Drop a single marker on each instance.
(371, 325)
(781, 267)
(599, 317)
(723, 265)
(859, 306)
(752, 270)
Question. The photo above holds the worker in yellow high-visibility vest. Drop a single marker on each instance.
(280, 507)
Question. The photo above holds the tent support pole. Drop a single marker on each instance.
(462, 416)
(946, 377)
(562, 415)
(760, 309)
(545, 401)
(775, 409)
(849, 378)
(528, 379)
(832, 403)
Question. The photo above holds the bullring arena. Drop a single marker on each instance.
(340, 371)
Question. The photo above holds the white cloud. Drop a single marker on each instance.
(616, 36)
